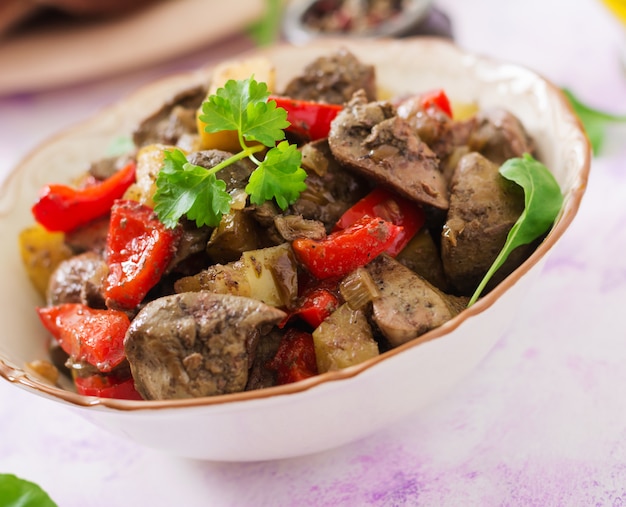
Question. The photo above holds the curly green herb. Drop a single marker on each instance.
(542, 203)
(243, 106)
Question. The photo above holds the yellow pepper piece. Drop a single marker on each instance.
(261, 69)
(41, 252)
(226, 140)
(463, 110)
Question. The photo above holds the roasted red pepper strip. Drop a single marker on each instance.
(308, 119)
(341, 252)
(107, 386)
(384, 204)
(62, 208)
(436, 98)
(315, 306)
(295, 357)
(139, 248)
(86, 334)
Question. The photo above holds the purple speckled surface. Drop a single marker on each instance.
(540, 422)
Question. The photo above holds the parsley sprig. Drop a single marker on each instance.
(196, 192)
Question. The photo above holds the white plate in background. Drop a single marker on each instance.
(72, 50)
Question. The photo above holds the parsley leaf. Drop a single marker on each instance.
(243, 106)
(188, 189)
(542, 203)
(278, 177)
(594, 121)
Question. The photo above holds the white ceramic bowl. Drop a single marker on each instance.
(333, 408)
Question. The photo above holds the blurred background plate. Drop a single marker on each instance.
(43, 55)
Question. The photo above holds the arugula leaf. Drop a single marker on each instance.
(16, 492)
(594, 121)
(543, 201)
(187, 189)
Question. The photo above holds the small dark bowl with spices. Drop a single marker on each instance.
(308, 19)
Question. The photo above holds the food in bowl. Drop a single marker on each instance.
(216, 257)
(300, 417)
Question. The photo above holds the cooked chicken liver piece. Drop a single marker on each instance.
(499, 135)
(292, 227)
(196, 344)
(483, 208)
(333, 79)
(175, 118)
(260, 376)
(408, 305)
(440, 132)
(369, 138)
(422, 256)
(234, 175)
(89, 237)
(331, 189)
(106, 167)
(78, 279)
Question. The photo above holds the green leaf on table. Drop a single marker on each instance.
(543, 201)
(594, 121)
(16, 492)
(267, 29)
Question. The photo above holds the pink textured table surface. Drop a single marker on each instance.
(541, 421)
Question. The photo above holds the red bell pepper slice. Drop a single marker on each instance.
(62, 208)
(107, 386)
(438, 99)
(308, 119)
(383, 203)
(295, 358)
(87, 334)
(341, 252)
(315, 307)
(139, 249)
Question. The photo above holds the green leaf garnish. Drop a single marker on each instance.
(279, 177)
(188, 189)
(594, 121)
(243, 106)
(16, 492)
(543, 201)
